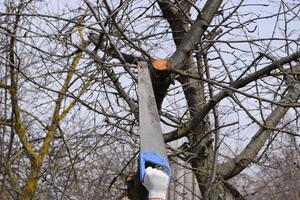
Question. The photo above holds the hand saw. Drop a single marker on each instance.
(152, 145)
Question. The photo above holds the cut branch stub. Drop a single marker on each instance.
(161, 79)
(161, 64)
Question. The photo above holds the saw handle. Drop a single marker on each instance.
(153, 158)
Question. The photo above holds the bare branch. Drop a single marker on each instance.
(193, 123)
(3, 86)
(246, 157)
(5, 122)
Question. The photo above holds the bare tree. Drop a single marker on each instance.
(69, 110)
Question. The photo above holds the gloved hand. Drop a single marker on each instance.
(156, 182)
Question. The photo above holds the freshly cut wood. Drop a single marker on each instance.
(161, 64)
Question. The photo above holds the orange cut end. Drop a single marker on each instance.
(161, 64)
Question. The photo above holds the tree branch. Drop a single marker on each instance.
(3, 86)
(129, 58)
(246, 157)
(193, 37)
(193, 123)
(5, 122)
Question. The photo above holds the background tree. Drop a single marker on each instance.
(277, 174)
(69, 118)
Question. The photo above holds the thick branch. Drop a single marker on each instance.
(176, 18)
(193, 37)
(18, 123)
(193, 123)
(236, 165)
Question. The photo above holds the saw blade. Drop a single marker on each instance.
(152, 145)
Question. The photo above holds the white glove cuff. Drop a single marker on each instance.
(157, 194)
